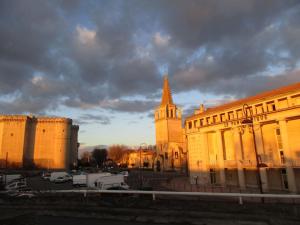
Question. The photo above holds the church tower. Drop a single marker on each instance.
(170, 144)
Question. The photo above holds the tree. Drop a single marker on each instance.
(85, 158)
(100, 156)
(115, 152)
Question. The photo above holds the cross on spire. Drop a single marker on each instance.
(166, 95)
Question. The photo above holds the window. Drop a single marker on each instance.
(201, 122)
(284, 179)
(239, 113)
(279, 139)
(176, 155)
(271, 106)
(223, 117)
(282, 159)
(215, 119)
(230, 115)
(190, 125)
(207, 120)
(282, 103)
(213, 177)
(195, 123)
(259, 109)
(171, 113)
(295, 100)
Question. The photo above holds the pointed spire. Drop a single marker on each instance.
(166, 95)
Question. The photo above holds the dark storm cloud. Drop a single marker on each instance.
(103, 53)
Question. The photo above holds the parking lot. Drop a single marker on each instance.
(38, 183)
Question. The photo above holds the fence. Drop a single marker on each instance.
(238, 196)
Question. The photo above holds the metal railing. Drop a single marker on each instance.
(238, 196)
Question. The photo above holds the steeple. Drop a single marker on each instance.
(166, 98)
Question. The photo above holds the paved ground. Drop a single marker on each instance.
(37, 183)
(31, 219)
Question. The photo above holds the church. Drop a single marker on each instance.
(170, 135)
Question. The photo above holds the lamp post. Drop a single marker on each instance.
(248, 121)
(140, 166)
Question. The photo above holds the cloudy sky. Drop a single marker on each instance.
(101, 62)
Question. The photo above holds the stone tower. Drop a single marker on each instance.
(170, 142)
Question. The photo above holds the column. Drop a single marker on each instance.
(288, 156)
(261, 153)
(219, 140)
(238, 153)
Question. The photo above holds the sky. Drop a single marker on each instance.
(101, 62)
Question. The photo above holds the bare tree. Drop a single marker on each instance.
(85, 158)
(116, 152)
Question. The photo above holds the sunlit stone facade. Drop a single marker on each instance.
(221, 149)
(43, 142)
(170, 138)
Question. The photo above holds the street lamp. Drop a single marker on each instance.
(140, 166)
(248, 121)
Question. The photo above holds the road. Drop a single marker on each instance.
(48, 220)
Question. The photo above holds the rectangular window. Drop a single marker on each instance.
(224, 146)
(190, 125)
(279, 139)
(215, 119)
(207, 120)
(242, 147)
(230, 115)
(271, 106)
(259, 109)
(284, 179)
(176, 155)
(295, 100)
(239, 113)
(282, 103)
(282, 158)
(223, 119)
(213, 177)
(195, 123)
(201, 122)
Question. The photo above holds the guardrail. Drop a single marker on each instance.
(239, 196)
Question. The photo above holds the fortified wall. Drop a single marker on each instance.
(44, 142)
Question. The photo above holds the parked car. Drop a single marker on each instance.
(62, 179)
(14, 186)
(55, 175)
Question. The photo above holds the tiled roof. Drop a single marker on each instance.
(260, 96)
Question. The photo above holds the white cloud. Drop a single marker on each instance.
(37, 79)
(85, 35)
(161, 40)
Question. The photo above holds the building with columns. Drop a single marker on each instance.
(170, 139)
(249, 143)
(42, 142)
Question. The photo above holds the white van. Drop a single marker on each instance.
(112, 182)
(79, 180)
(91, 178)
